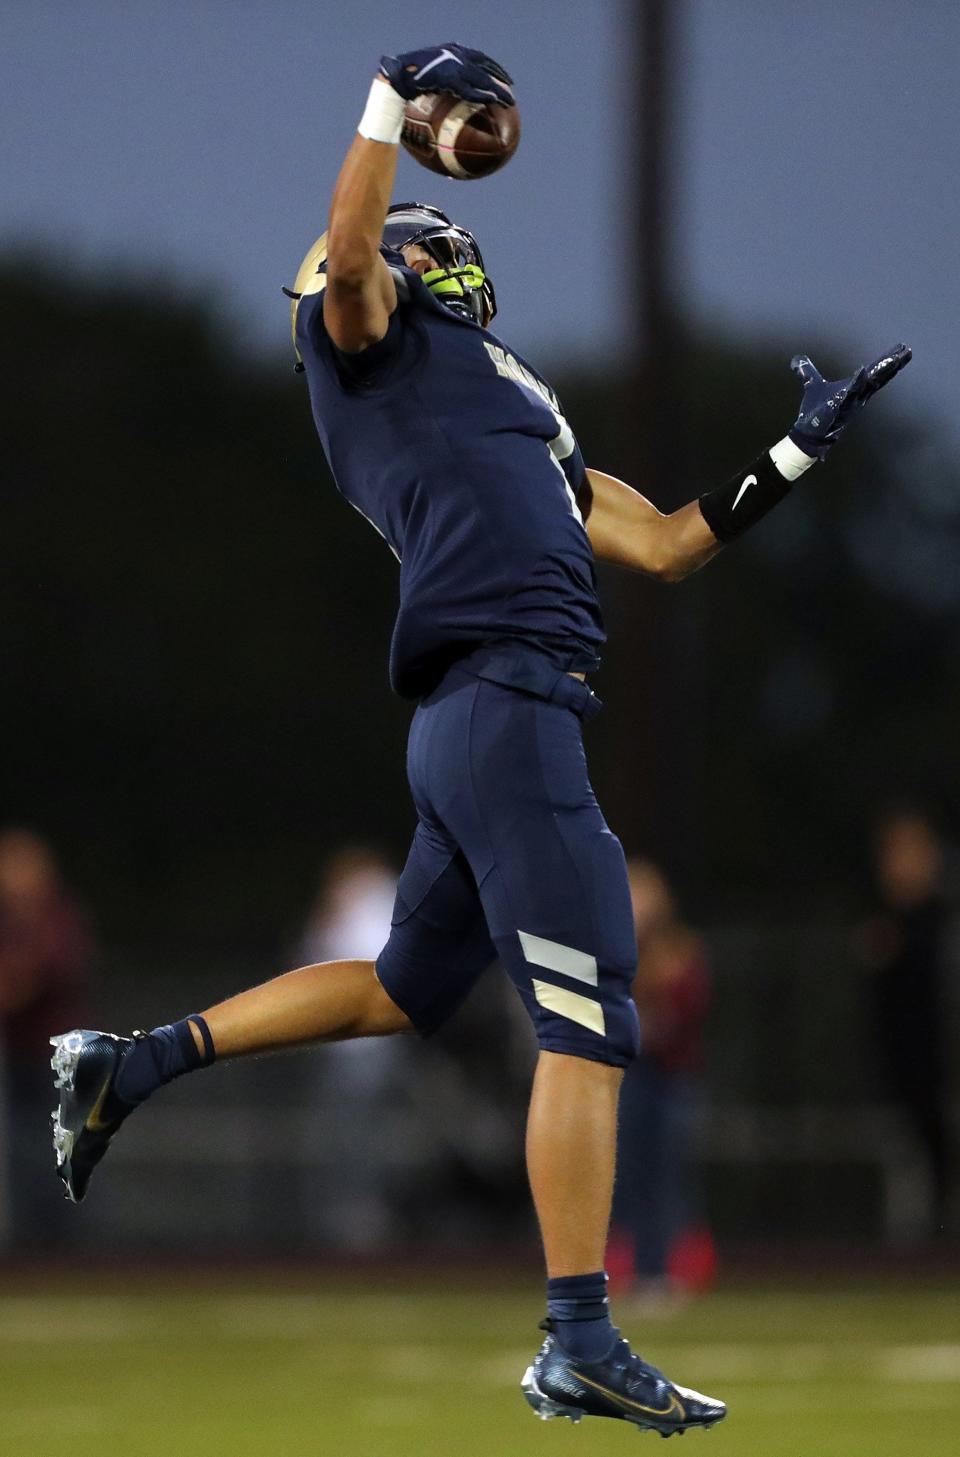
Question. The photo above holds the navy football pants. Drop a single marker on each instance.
(512, 858)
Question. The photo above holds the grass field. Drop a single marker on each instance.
(250, 1368)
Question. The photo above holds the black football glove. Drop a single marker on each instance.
(455, 69)
(828, 405)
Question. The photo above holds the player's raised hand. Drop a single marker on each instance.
(451, 68)
(828, 405)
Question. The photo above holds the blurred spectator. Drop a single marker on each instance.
(45, 950)
(661, 1241)
(906, 945)
(351, 913)
(355, 1082)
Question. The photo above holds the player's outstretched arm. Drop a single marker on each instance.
(625, 529)
(360, 294)
(628, 530)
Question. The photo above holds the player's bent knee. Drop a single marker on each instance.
(623, 1032)
(603, 1029)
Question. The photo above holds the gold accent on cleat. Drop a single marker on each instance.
(673, 1408)
(94, 1123)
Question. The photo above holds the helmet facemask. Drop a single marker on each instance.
(458, 281)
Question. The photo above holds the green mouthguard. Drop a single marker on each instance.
(447, 280)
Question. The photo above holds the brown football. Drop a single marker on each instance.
(460, 139)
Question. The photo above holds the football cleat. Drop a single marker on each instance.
(624, 1386)
(85, 1066)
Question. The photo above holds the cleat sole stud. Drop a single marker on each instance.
(63, 1139)
(66, 1055)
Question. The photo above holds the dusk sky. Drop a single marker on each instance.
(816, 190)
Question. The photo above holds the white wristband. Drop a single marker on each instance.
(382, 120)
(790, 460)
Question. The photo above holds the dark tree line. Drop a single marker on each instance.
(193, 629)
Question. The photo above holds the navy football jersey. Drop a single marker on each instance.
(458, 453)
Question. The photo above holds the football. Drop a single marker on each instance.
(461, 139)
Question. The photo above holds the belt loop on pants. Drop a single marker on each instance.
(574, 693)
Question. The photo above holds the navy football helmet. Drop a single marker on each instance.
(459, 280)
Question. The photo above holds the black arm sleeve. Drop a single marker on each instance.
(744, 499)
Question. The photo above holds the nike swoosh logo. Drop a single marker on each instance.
(94, 1123)
(437, 61)
(673, 1406)
(750, 481)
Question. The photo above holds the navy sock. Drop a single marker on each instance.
(164, 1054)
(578, 1307)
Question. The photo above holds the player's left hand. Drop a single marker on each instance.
(828, 405)
(463, 72)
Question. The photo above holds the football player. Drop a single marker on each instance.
(457, 451)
